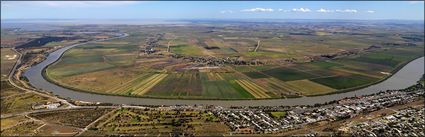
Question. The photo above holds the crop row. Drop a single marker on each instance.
(255, 90)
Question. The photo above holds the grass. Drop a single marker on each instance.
(223, 89)
(114, 67)
(76, 117)
(178, 85)
(380, 59)
(117, 80)
(278, 114)
(189, 50)
(147, 84)
(308, 87)
(214, 76)
(242, 68)
(323, 65)
(21, 103)
(260, 54)
(253, 89)
(24, 129)
(57, 72)
(391, 58)
(344, 82)
(279, 88)
(120, 59)
(255, 75)
(336, 75)
(9, 122)
(286, 74)
(263, 67)
(8, 90)
(155, 122)
(55, 130)
(91, 58)
(8, 59)
(130, 85)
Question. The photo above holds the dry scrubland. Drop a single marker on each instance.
(116, 67)
(119, 121)
(8, 59)
(158, 122)
(14, 100)
(53, 123)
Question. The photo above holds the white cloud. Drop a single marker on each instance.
(226, 11)
(282, 10)
(416, 2)
(301, 10)
(69, 3)
(347, 11)
(258, 10)
(324, 10)
(370, 11)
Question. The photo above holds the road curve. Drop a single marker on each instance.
(405, 77)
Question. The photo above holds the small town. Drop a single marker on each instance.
(246, 120)
(407, 122)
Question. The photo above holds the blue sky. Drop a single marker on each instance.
(213, 10)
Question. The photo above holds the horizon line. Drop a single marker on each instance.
(194, 19)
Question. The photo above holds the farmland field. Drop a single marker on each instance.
(76, 118)
(286, 74)
(308, 87)
(343, 82)
(220, 61)
(186, 50)
(23, 129)
(8, 59)
(158, 122)
(22, 102)
(15, 100)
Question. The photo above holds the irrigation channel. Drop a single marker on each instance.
(405, 77)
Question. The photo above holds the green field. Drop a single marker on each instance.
(308, 87)
(286, 74)
(223, 89)
(254, 75)
(178, 85)
(131, 72)
(186, 50)
(278, 114)
(343, 82)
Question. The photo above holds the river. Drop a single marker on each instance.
(405, 77)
